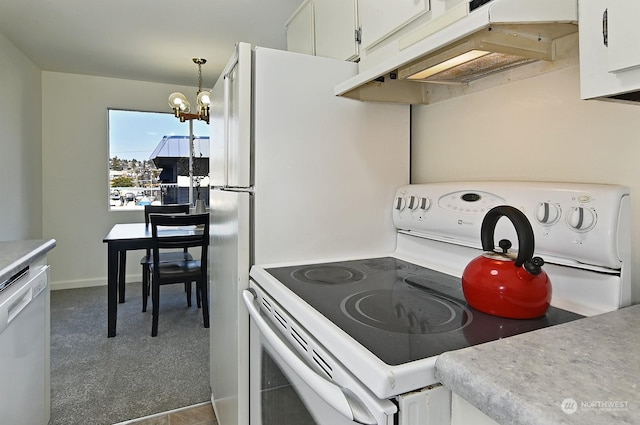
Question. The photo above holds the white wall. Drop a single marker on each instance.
(75, 170)
(20, 145)
(535, 129)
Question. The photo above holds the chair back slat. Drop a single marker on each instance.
(164, 209)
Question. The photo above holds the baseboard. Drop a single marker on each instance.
(87, 283)
(158, 415)
(213, 404)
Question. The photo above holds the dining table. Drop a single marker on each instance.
(121, 238)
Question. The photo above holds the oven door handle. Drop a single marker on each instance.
(346, 404)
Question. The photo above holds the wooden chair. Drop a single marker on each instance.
(165, 257)
(184, 271)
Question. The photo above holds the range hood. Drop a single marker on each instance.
(469, 42)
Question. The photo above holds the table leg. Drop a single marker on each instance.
(112, 289)
(121, 278)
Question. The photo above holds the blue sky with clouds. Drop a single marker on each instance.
(134, 135)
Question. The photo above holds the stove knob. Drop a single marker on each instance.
(581, 219)
(400, 203)
(413, 202)
(418, 203)
(548, 213)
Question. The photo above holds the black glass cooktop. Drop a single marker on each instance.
(399, 311)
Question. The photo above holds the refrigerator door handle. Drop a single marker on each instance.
(248, 190)
(231, 146)
(341, 400)
(229, 73)
(227, 132)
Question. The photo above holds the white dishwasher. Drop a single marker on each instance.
(24, 348)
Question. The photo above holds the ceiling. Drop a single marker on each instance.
(147, 40)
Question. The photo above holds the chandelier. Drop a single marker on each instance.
(181, 106)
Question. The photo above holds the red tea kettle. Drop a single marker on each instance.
(495, 283)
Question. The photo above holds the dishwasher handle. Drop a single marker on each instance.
(345, 403)
(14, 302)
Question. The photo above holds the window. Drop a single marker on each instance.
(149, 160)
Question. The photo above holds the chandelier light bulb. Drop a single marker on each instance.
(176, 99)
(179, 103)
(204, 98)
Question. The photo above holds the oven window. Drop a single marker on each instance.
(282, 391)
(280, 402)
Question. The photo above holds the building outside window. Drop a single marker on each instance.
(149, 160)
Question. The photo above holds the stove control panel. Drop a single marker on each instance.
(470, 202)
(585, 223)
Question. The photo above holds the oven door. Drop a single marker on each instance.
(286, 389)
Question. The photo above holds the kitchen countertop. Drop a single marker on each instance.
(583, 372)
(16, 255)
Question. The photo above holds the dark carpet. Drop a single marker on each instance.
(97, 380)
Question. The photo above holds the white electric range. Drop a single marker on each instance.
(358, 338)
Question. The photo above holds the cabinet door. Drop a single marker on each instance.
(300, 30)
(624, 34)
(381, 18)
(335, 26)
(602, 52)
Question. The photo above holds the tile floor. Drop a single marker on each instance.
(200, 414)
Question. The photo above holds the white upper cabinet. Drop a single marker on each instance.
(381, 18)
(324, 28)
(623, 34)
(300, 30)
(609, 47)
(336, 23)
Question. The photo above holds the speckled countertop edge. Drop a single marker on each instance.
(525, 379)
(16, 255)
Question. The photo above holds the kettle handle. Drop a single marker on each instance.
(526, 244)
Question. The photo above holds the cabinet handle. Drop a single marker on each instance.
(605, 28)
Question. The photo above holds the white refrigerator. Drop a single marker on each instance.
(297, 174)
